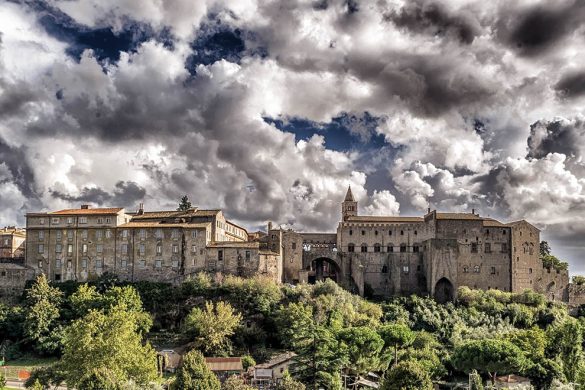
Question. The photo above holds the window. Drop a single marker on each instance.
(108, 220)
(40, 263)
(142, 249)
(41, 248)
(193, 233)
(415, 248)
(377, 248)
(294, 245)
(415, 232)
(68, 264)
(531, 250)
(405, 269)
(55, 221)
(465, 270)
(175, 249)
(83, 263)
(474, 247)
(220, 255)
(363, 232)
(99, 234)
(100, 221)
(174, 234)
(350, 232)
(99, 248)
(124, 233)
(493, 270)
(159, 233)
(529, 270)
(488, 247)
(351, 248)
(364, 248)
(375, 232)
(158, 264)
(123, 264)
(390, 248)
(98, 264)
(58, 263)
(193, 248)
(487, 232)
(59, 234)
(69, 249)
(41, 221)
(248, 255)
(108, 233)
(82, 219)
(476, 269)
(175, 264)
(41, 235)
(84, 234)
(211, 265)
(504, 248)
(402, 232)
(57, 277)
(142, 234)
(389, 232)
(70, 234)
(83, 248)
(69, 220)
(124, 249)
(402, 248)
(6, 241)
(58, 248)
(142, 263)
(384, 269)
(503, 232)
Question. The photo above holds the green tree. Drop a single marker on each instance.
(235, 383)
(475, 381)
(565, 344)
(579, 280)
(319, 356)
(288, 383)
(2, 381)
(193, 374)
(291, 320)
(247, 362)
(185, 204)
(212, 327)
(396, 336)
(363, 346)
(407, 375)
(544, 249)
(488, 356)
(41, 323)
(109, 347)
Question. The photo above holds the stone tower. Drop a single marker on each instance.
(349, 205)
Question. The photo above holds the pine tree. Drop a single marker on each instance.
(185, 204)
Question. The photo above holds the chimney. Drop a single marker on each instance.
(84, 206)
(428, 210)
(140, 209)
(269, 227)
(473, 211)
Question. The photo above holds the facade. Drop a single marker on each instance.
(433, 254)
(12, 243)
(82, 244)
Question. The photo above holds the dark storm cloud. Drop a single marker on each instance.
(535, 30)
(557, 136)
(571, 85)
(125, 193)
(15, 159)
(433, 19)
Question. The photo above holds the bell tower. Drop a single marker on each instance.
(349, 205)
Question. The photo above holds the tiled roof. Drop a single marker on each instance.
(97, 211)
(145, 224)
(276, 360)
(375, 218)
(349, 195)
(224, 364)
(490, 222)
(175, 214)
(458, 216)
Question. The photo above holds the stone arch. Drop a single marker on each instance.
(444, 291)
(324, 268)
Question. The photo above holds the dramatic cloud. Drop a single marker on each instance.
(270, 109)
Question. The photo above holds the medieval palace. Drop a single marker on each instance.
(433, 254)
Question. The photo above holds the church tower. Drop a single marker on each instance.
(349, 205)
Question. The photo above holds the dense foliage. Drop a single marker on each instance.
(100, 331)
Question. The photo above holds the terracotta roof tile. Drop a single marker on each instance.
(147, 224)
(224, 364)
(90, 211)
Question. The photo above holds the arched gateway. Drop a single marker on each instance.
(324, 268)
(444, 291)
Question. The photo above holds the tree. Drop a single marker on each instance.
(193, 374)
(363, 346)
(544, 249)
(247, 362)
(395, 336)
(288, 383)
(565, 344)
(407, 375)
(41, 326)
(475, 382)
(579, 280)
(212, 327)
(319, 356)
(185, 204)
(108, 348)
(236, 383)
(489, 356)
(292, 320)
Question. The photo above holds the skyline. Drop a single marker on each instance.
(270, 109)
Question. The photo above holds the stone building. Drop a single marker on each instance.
(433, 254)
(12, 243)
(82, 244)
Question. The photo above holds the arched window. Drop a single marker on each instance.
(476, 269)
(531, 249)
(351, 248)
(390, 248)
(364, 248)
(350, 232)
(377, 247)
(384, 269)
(465, 270)
(402, 248)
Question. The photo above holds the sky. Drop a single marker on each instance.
(270, 109)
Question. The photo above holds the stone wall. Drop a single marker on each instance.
(554, 284)
(526, 264)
